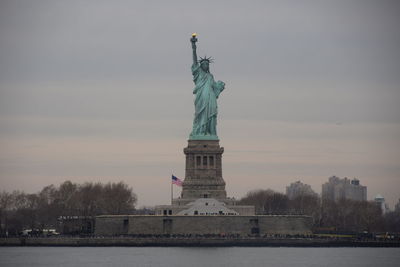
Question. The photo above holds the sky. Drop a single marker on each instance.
(101, 91)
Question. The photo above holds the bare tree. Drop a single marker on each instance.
(306, 204)
(70, 201)
(118, 198)
(267, 201)
(6, 200)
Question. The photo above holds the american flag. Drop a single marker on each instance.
(177, 181)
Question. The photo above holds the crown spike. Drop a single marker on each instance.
(205, 58)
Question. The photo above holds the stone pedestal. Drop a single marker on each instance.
(203, 176)
(203, 180)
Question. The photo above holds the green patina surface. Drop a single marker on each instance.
(207, 91)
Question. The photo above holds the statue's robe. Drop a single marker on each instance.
(207, 92)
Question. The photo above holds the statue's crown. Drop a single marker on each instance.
(205, 58)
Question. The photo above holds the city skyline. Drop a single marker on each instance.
(102, 91)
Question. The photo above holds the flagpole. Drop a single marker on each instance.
(172, 191)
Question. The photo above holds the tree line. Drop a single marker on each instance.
(45, 209)
(342, 216)
(20, 210)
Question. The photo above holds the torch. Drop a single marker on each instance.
(193, 39)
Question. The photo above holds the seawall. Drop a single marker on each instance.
(193, 242)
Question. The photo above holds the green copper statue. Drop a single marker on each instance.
(207, 92)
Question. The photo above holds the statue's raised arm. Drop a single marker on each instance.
(193, 40)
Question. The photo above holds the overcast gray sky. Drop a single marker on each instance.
(102, 91)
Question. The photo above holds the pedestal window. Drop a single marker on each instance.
(211, 161)
(198, 161)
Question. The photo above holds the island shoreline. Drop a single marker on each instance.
(191, 242)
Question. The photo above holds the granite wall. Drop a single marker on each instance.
(242, 225)
(112, 225)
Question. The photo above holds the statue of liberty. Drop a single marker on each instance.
(205, 103)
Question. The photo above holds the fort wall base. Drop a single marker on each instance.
(256, 225)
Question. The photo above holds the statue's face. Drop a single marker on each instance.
(205, 65)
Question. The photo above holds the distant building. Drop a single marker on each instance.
(380, 201)
(336, 189)
(297, 189)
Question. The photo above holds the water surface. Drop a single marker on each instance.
(213, 256)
